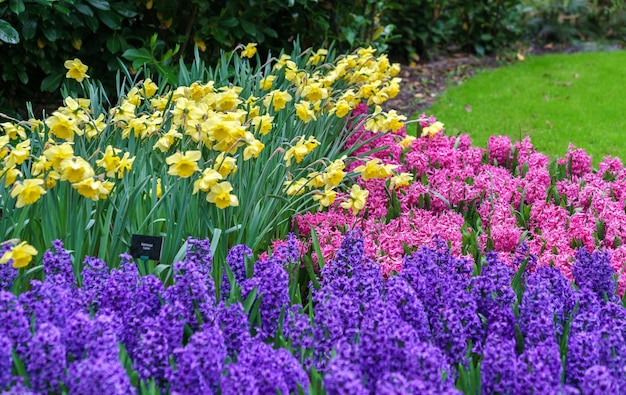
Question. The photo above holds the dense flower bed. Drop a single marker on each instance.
(429, 329)
(480, 200)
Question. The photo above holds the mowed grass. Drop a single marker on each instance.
(555, 99)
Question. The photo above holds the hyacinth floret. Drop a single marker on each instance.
(48, 302)
(120, 286)
(594, 271)
(236, 261)
(348, 256)
(14, 324)
(45, 358)
(272, 282)
(233, 322)
(399, 293)
(492, 288)
(98, 375)
(598, 380)
(199, 364)
(239, 379)
(94, 274)
(57, 265)
(8, 273)
(583, 352)
(540, 371)
(193, 285)
(500, 365)
(6, 361)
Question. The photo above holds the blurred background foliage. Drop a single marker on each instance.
(37, 36)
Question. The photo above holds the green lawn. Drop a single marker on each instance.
(554, 99)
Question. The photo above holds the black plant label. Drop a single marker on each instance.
(146, 247)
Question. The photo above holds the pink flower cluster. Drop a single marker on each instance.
(517, 194)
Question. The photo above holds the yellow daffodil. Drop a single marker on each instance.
(91, 188)
(225, 165)
(301, 149)
(374, 168)
(220, 195)
(263, 123)
(342, 108)
(183, 165)
(95, 127)
(19, 154)
(357, 198)
(278, 99)
(13, 130)
(62, 126)
(209, 178)
(407, 141)
(110, 161)
(316, 180)
(267, 82)
(21, 255)
(126, 164)
(75, 169)
(394, 121)
(165, 142)
(4, 150)
(432, 130)
(76, 70)
(326, 197)
(58, 153)
(10, 174)
(314, 92)
(249, 51)
(401, 180)
(51, 179)
(27, 192)
(149, 88)
(41, 165)
(295, 187)
(317, 57)
(253, 149)
(304, 111)
(334, 173)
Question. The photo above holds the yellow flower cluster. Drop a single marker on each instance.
(200, 129)
(20, 254)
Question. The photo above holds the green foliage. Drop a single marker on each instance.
(565, 21)
(427, 26)
(37, 36)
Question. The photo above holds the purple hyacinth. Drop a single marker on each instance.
(536, 320)
(396, 384)
(343, 374)
(236, 261)
(598, 380)
(499, 367)
(95, 274)
(239, 379)
(48, 303)
(161, 335)
(297, 330)
(428, 364)
(349, 255)
(540, 371)
(93, 337)
(588, 316)
(121, 284)
(57, 265)
(583, 352)
(98, 375)
(272, 282)
(399, 293)
(492, 288)
(8, 273)
(287, 252)
(193, 285)
(199, 364)
(6, 361)
(383, 342)
(562, 295)
(233, 321)
(45, 358)
(522, 254)
(276, 369)
(336, 318)
(594, 271)
(14, 324)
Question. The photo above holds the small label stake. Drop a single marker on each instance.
(146, 247)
